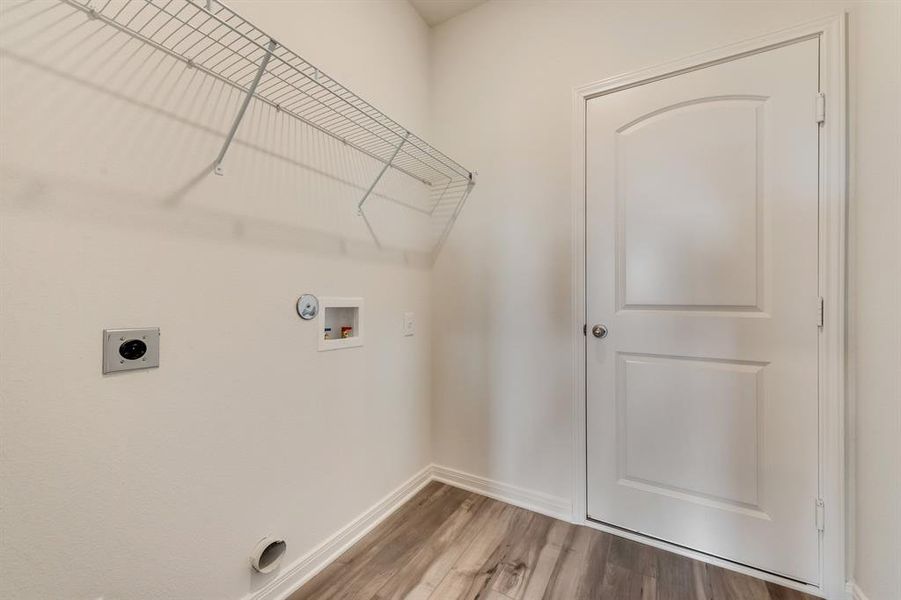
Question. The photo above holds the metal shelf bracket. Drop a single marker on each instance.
(218, 44)
(382, 172)
(217, 167)
(470, 184)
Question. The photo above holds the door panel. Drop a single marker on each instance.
(714, 405)
(701, 259)
(701, 250)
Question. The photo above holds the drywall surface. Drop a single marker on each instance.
(875, 297)
(159, 483)
(502, 81)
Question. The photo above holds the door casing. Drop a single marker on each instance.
(832, 276)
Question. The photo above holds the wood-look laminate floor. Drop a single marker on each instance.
(449, 544)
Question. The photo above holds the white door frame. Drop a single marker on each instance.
(832, 214)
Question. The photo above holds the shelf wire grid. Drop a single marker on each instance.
(209, 36)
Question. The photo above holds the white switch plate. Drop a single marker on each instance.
(409, 323)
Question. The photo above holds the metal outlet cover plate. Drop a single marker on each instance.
(113, 341)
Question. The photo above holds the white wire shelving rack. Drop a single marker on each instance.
(209, 36)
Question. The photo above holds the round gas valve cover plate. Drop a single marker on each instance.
(307, 307)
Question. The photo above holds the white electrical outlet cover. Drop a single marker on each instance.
(130, 349)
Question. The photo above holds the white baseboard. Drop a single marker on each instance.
(308, 565)
(304, 568)
(552, 506)
(855, 593)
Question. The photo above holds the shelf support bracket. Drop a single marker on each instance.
(217, 166)
(450, 223)
(382, 172)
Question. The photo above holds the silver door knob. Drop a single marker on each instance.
(599, 331)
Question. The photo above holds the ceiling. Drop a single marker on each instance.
(434, 12)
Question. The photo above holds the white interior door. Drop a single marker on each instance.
(701, 241)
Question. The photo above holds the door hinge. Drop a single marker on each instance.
(821, 108)
(821, 515)
(585, 330)
(821, 311)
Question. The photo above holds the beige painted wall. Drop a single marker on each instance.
(502, 80)
(158, 484)
(875, 293)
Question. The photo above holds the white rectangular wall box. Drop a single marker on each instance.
(335, 313)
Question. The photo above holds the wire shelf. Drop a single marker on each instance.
(216, 40)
